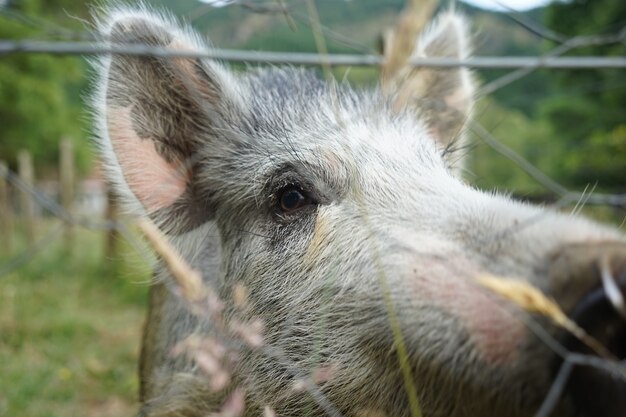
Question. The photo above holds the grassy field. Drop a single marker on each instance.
(70, 326)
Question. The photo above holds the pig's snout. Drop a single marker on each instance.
(589, 280)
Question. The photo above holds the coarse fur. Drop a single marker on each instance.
(208, 154)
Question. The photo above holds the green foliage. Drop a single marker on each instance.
(601, 156)
(569, 124)
(499, 35)
(531, 138)
(39, 94)
(590, 124)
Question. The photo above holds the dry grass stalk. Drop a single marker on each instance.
(402, 40)
(234, 406)
(321, 374)
(212, 357)
(215, 359)
(188, 279)
(324, 373)
(533, 300)
(240, 296)
(251, 333)
(268, 412)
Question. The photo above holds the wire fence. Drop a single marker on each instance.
(313, 59)
(521, 66)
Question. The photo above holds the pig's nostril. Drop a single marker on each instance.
(602, 317)
(594, 391)
(611, 288)
(602, 311)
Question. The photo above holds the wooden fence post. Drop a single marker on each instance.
(66, 177)
(27, 206)
(6, 212)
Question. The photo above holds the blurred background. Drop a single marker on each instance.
(72, 288)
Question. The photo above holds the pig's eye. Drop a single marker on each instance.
(292, 198)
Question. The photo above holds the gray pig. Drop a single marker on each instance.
(342, 214)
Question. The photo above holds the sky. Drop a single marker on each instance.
(486, 4)
(513, 4)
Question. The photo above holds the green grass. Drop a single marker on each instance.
(70, 324)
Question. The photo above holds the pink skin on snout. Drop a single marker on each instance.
(450, 286)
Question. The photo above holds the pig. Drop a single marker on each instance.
(343, 215)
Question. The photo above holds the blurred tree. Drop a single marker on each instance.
(589, 116)
(40, 94)
(530, 138)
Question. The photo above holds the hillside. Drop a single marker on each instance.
(355, 27)
(352, 25)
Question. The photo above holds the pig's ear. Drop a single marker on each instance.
(153, 115)
(442, 97)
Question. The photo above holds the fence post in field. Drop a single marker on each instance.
(110, 244)
(27, 204)
(66, 174)
(6, 213)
